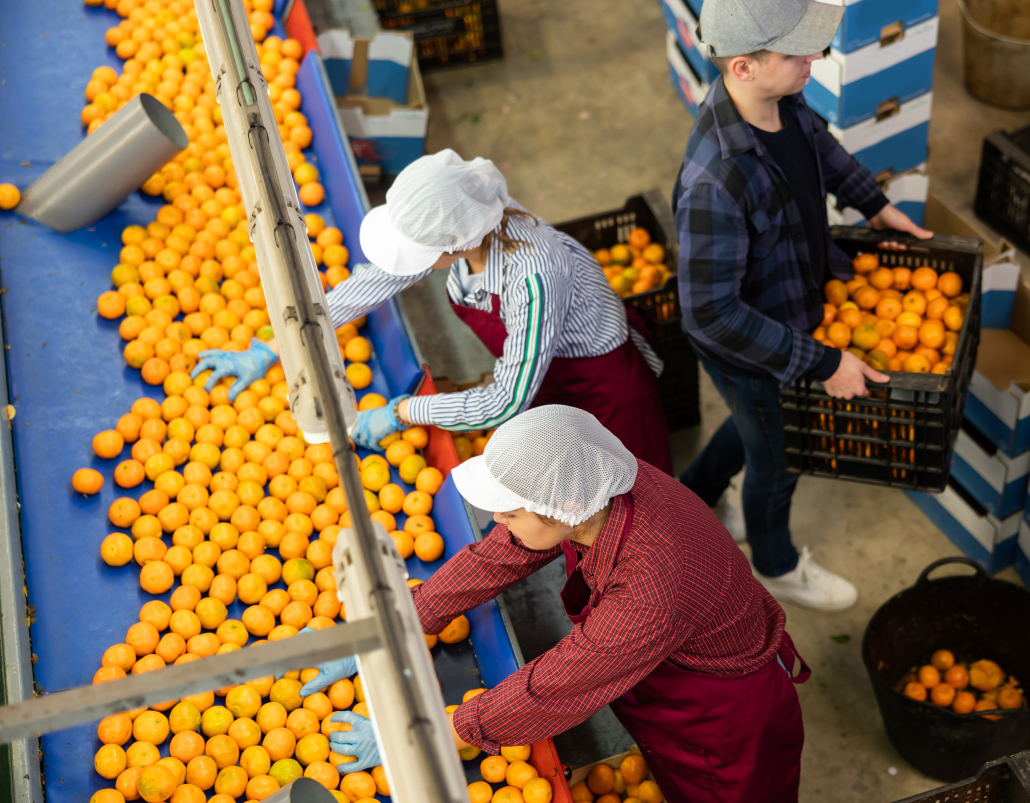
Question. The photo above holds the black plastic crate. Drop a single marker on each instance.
(1006, 780)
(659, 307)
(902, 434)
(1003, 188)
(446, 33)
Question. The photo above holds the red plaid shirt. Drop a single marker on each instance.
(680, 591)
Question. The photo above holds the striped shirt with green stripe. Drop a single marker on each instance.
(555, 302)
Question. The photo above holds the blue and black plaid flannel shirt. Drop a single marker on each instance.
(747, 293)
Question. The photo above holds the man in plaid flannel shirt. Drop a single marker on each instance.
(755, 252)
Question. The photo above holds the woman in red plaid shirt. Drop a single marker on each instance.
(670, 627)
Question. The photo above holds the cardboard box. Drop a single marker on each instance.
(982, 537)
(847, 88)
(907, 191)
(681, 21)
(1023, 552)
(691, 88)
(384, 133)
(868, 21)
(893, 141)
(996, 481)
(376, 66)
(1000, 269)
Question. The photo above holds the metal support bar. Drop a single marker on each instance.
(66, 709)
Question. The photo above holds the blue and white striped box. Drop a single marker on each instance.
(998, 289)
(378, 67)
(868, 21)
(681, 21)
(1023, 552)
(892, 143)
(691, 88)
(996, 481)
(987, 540)
(847, 88)
(908, 192)
(998, 402)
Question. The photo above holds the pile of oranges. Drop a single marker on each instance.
(948, 684)
(471, 443)
(237, 506)
(895, 319)
(627, 783)
(635, 266)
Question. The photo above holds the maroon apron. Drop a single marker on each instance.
(618, 388)
(709, 738)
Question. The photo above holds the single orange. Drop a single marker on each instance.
(942, 694)
(929, 676)
(519, 773)
(964, 703)
(956, 676)
(835, 292)
(481, 792)
(924, 278)
(507, 794)
(493, 769)
(917, 691)
(601, 779)
(536, 790)
(633, 768)
(950, 284)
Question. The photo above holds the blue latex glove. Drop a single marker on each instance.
(359, 741)
(329, 673)
(374, 425)
(247, 366)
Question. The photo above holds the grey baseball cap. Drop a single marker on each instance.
(792, 27)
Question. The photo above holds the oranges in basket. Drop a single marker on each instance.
(964, 688)
(635, 266)
(895, 319)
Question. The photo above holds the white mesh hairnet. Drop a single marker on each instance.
(561, 461)
(443, 201)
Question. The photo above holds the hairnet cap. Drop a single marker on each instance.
(554, 460)
(438, 204)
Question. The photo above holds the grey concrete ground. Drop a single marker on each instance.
(579, 115)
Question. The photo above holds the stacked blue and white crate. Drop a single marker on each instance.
(690, 71)
(874, 91)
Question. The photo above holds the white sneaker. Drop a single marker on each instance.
(732, 518)
(811, 586)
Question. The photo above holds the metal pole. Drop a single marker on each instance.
(105, 168)
(65, 709)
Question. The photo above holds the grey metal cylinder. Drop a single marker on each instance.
(105, 168)
(302, 790)
(996, 50)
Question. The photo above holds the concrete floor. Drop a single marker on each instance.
(579, 115)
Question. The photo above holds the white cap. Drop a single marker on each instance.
(553, 460)
(438, 204)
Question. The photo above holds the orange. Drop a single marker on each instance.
(956, 676)
(109, 761)
(507, 794)
(829, 314)
(916, 364)
(186, 746)
(301, 722)
(931, 334)
(419, 524)
(953, 318)
(905, 337)
(116, 549)
(493, 769)
(10, 196)
(126, 785)
(123, 512)
(985, 705)
(429, 547)
(150, 726)
(942, 660)
(929, 676)
(580, 793)
(932, 355)
(255, 761)
(312, 747)
(156, 784)
(231, 781)
(223, 750)
(964, 703)
(129, 473)
(536, 790)
(950, 284)
(935, 308)
(849, 316)
(382, 783)
(888, 308)
(114, 729)
(87, 481)
(909, 319)
(341, 694)
(866, 297)
(633, 768)
(902, 278)
(279, 743)
(835, 292)
(649, 792)
(925, 279)
(1010, 697)
(108, 444)
(854, 284)
(141, 754)
(839, 334)
(914, 301)
(601, 779)
(916, 691)
(185, 716)
(639, 238)
(985, 675)
(881, 278)
(481, 792)
(943, 695)
(201, 772)
(358, 785)
(865, 263)
(519, 773)
(865, 337)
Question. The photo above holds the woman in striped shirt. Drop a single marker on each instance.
(535, 297)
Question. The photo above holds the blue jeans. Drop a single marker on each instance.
(752, 435)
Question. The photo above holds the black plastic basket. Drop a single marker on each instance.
(1006, 780)
(1003, 188)
(447, 33)
(973, 616)
(901, 434)
(659, 307)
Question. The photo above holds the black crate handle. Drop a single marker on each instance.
(980, 573)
